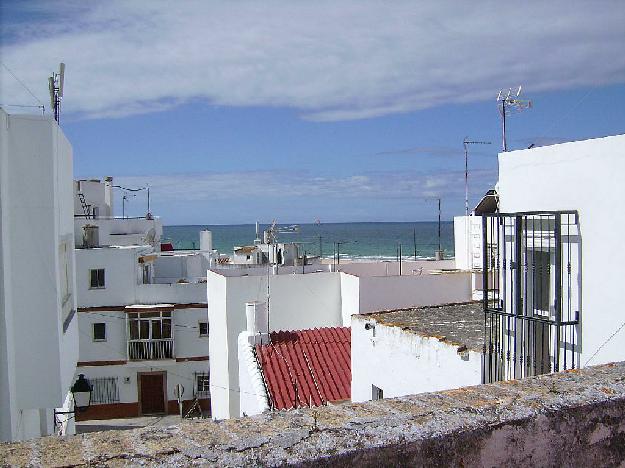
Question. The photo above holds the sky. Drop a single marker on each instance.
(233, 112)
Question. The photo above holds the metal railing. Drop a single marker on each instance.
(202, 385)
(105, 390)
(139, 350)
(532, 293)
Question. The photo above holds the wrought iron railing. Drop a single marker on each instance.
(150, 349)
(202, 385)
(105, 390)
(532, 293)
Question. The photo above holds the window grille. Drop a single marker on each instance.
(202, 385)
(532, 293)
(105, 390)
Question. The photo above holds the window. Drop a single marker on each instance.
(104, 391)
(149, 325)
(202, 385)
(96, 278)
(99, 332)
(376, 393)
(147, 274)
(203, 328)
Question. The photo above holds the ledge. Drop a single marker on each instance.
(571, 418)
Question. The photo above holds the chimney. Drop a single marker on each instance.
(256, 315)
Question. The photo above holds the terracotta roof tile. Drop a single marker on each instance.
(307, 366)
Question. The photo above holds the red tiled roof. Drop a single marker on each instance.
(314, 364)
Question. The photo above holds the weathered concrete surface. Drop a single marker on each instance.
(575, 418)
(460, 324)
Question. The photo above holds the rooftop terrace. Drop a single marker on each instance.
(457, 324)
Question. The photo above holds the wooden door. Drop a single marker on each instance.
(152, 392)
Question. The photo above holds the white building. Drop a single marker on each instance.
(318, 298)
(409, 351)
(559, 220)
(143, 321)
(38, 323)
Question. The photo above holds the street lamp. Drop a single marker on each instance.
(81, 394)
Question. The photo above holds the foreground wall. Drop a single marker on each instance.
(567, 419)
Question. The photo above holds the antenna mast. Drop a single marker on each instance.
(509, 103)
(466, 143)
(55, 86)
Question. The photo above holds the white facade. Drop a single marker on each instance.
(143, 321)
(38, 324)
(585, 176)
(400, 362)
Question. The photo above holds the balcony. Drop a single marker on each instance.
(151, 350)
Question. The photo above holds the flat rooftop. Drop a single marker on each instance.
(457, 324)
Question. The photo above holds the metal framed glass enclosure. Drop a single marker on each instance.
(531, 277)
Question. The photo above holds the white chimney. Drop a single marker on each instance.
(256, 315)
(206, 241)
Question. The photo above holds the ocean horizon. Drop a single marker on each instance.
(358, 240)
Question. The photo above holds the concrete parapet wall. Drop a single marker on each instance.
(568, 419)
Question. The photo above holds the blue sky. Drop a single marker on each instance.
(351, 111)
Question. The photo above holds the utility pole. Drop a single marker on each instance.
(439, 224)
(466, 143)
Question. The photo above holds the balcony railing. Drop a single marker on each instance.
(139, 350)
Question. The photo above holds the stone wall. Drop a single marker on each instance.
(573, 418)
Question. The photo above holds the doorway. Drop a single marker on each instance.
(152, 392)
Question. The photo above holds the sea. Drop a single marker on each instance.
(358, 241)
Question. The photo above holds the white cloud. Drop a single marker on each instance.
(286, 185)
(329, 60)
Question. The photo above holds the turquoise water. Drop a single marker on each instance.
(361, 240)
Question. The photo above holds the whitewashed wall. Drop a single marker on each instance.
(586, 176)
(394, 292)
(409, 267)
(35, 191)
(350, 297)
(252, 395)
(404, 363)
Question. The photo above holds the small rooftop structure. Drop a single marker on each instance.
(307, 367)
(456, 324)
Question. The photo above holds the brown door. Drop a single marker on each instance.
(152, 392)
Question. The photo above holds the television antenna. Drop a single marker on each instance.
(508, 103)
(466, 142)
(55, 86)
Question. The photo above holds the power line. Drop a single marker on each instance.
(605, 343)
(23, 85)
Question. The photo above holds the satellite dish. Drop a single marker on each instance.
(61, 78)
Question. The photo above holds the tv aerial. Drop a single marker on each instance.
(509, 103)
(55, 86)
